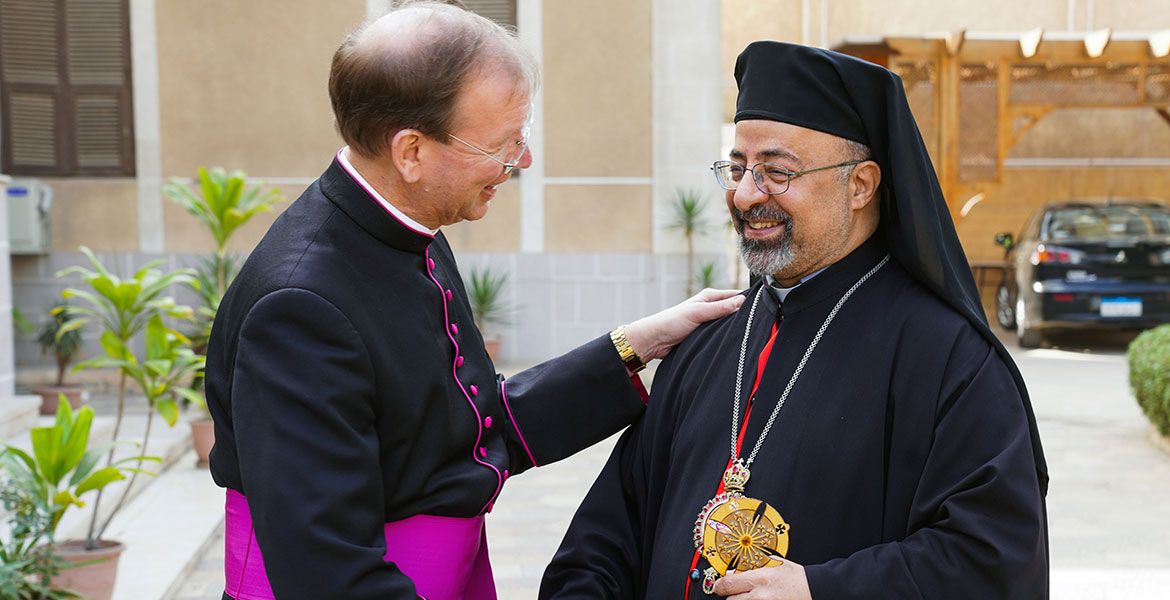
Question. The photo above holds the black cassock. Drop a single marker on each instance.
(901, 461)
(350, 388)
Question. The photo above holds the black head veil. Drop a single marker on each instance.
(860, 101)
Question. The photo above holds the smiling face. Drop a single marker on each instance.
(822, 217)
(460, 182)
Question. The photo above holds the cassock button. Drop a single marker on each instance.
(482, 452)
(430, 264)
(449, 294)
(487, 422)
(458, 361)
(454, 329)
(505, 474)
(474, 389)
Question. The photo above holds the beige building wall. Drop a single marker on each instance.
(1125, 15)
(244, 84)
(590, 218)
(597, 124)
(597, 88)
(99, 213)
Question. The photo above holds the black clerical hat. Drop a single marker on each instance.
(860, 101)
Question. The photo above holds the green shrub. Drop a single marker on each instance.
(1149, 375)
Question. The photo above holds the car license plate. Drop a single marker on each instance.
(1121, 307)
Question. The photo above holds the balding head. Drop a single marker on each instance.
(407, 69)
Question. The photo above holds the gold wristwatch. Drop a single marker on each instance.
(625, 351)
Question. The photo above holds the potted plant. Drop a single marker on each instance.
(224, 203)
(488, 306)
(688, 218)
(38, 489)
(27, 564)
(64, 348)
(124, 308)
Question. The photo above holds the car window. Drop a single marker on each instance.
(1105, 222)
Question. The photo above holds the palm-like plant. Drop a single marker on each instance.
(124, 307)
(225, 203)
(688, 218)
(163, 375)
(485, 293)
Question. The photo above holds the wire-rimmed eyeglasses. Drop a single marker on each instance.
(773, 180)
(512, 154)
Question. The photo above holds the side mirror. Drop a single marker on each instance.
(1004, 239)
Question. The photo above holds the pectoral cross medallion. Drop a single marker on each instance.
(737, 533)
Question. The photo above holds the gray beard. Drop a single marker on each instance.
(765, 257)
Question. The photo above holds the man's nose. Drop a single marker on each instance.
(747, 193)
(525, 159)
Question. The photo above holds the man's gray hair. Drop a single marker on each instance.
(406, 70)
(853, 151)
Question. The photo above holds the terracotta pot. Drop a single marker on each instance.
(94, 578)
(203, 436)
(493, 348)
(76, 396)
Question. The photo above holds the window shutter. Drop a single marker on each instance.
(500, 11)
(32, 130)
(30, 75)
(98, 66)
(65, 89)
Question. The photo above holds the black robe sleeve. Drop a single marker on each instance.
(569, 403)
(310, 461)
(975, 517)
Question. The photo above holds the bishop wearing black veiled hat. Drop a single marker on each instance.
(855, 430)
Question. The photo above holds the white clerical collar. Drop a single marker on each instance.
(343, 158)
(782, 292)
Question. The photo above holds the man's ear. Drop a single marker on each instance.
(405, 151)
(863, 184)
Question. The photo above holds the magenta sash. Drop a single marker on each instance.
(446, 557)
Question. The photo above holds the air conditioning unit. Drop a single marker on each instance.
(30, 203)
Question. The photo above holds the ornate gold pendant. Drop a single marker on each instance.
(737, 533)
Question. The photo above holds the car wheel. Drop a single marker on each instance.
(1005, 312)
(1030, 337)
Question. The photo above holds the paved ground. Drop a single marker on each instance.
(1109, 500)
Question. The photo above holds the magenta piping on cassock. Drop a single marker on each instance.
(445, 557)
(455, 375)
(515, 425)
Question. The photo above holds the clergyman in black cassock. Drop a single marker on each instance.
(362, 431)
(904, 461)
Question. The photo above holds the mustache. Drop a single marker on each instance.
(761, 212)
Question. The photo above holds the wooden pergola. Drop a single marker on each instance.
(975, 95)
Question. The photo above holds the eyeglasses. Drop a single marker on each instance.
(511, 159)
(774, 180)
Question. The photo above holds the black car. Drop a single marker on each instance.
(1087, 264)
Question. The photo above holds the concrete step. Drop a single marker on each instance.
(167, 529)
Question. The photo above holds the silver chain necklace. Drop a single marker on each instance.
(795, 375)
